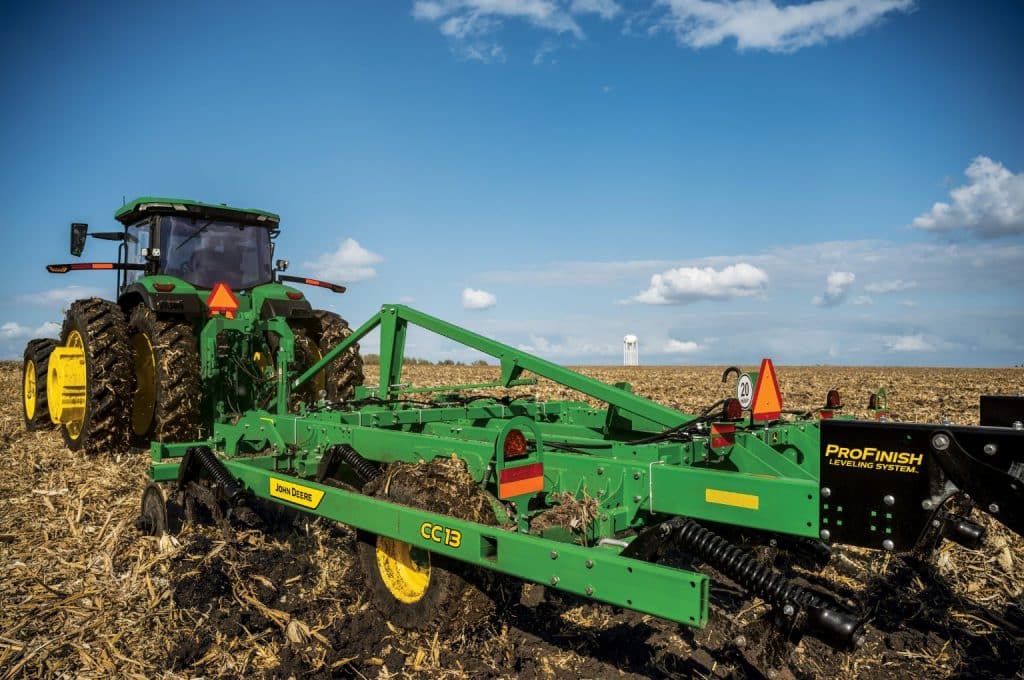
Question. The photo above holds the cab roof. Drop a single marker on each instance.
(144, 206)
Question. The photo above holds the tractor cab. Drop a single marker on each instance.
(200, 243)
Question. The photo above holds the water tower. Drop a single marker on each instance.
(630, 351)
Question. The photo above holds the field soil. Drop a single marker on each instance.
(84, 594)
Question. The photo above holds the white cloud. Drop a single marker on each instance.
(59, 297)
(689, 284)
(471, 24)
(673, 346)
(12, 330)
(477, 299)
(909, 343)
(837, 285)
(406, 300)
(991, 204)
(763, 24)
(349, 262)
(863, 300)
(890, 286)
(569, 346)
(606, 9)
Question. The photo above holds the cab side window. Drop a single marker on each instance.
(135, 241)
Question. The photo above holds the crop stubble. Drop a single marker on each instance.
(84, 594)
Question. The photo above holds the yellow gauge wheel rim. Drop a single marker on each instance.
(144, 399)
(74, 427)
(30, 389)
(406, 577)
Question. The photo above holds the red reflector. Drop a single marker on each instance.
(58, 268)
(520, 481)
(722, 435)
(833, 400)
(164, 287)
(825, 414)
(94, 265)
(515, 444)
(732, 410)
(873, 401)
(516, 474)
(294, 296)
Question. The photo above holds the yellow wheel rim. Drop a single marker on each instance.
(30, 389)
(405, 575)
(74, 427)
(144, 400)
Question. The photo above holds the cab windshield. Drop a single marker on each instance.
(205, 252)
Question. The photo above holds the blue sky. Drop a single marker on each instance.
(822, 182)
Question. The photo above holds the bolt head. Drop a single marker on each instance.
(636, 475)
(825, 534)
(589, 590)
(554, 554)
(554, 580)
(927, 504)
(936, 523)
(740, 641)
(990, 449)
(888, 544)
(1017, 425)
(940, 442)
(826, 492)
(788, 610)
(993, 508)
(889, 499)
(589, 564)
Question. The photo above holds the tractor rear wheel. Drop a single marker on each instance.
(418, 589)
(33, 384)
(90, 380)
(167, 399)
(346, 372)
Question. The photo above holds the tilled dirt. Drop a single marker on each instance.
(84, 594)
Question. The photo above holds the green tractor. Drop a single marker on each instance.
(130, 372)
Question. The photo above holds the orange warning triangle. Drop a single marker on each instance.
(222, 301)
(767, 397)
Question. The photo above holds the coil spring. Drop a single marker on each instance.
(742, 567)
(367, 470)
(216, 470)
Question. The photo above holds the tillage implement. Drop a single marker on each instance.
(246, 396)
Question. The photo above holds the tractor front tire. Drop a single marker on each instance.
(166, 405)
(35, 409)
(345, 372)
(420, 590)
(99, 328)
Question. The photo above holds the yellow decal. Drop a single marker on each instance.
(871, 458)
(305, 496)
(738, 500)
(443, 535)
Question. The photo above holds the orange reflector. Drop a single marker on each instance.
(222, 301)
(521, 480)
(767, 397)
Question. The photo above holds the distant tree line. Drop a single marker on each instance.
(374, 359)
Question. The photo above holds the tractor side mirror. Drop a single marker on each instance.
(282, 265)
(79, 230)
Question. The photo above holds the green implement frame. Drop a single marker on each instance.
(634, 461)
